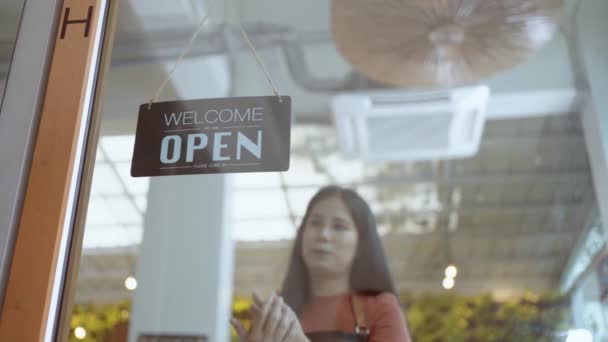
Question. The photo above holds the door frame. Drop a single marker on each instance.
(46, 227)
(19, 115)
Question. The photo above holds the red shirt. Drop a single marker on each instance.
(335, 313)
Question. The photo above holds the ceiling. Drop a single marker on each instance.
(509, 216)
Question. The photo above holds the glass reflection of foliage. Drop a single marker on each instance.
(240, 311)
(459, 318)
(98, 320)
(432, 318)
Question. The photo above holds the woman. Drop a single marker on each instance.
(338, 287)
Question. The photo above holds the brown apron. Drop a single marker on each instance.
(361, 333)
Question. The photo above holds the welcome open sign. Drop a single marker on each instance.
(224, 135)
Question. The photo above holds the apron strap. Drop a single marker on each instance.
(361, 328)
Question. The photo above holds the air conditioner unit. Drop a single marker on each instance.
(408, 126)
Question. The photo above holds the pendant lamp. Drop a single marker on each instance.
(440, 43)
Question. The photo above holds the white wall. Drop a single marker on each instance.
(547, 69)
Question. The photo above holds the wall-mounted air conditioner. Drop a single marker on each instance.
(408, 126)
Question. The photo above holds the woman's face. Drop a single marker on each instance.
(329, 240)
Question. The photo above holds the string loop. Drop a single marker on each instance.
(260, 64)
(189, 47)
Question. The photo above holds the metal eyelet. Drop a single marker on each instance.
(361, 330)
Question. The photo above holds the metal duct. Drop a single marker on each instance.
(227, 39)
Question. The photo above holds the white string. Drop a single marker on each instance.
(181, 57)
(189, 47)
(260, 64)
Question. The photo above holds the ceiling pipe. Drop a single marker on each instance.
(226, 39)
(303, 77)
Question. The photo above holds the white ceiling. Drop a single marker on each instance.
(141, 25)
(154, 30)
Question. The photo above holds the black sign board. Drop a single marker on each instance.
(224, 135)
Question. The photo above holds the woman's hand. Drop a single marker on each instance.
(240, 329)
(273, 321)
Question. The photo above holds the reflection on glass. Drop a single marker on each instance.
(10, 17)
(502, 245)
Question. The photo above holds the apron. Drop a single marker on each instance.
(361, 333)
(335, 336)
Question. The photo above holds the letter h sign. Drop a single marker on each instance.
(67, 21)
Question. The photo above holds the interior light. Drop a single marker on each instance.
(451, 271)
(80, 333)
(448, 283)
(579, 335)
(131, 283)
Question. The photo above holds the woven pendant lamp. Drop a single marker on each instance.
(440, 43)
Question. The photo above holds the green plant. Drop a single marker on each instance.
(457, 318)
(97, 320)
(445, 317)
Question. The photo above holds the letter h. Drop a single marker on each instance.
(67, 21)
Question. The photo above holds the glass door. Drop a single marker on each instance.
(411, 210)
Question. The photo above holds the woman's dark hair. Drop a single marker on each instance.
(369, 271)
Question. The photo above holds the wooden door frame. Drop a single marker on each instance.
(49, 228)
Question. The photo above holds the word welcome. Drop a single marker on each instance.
(214, 116)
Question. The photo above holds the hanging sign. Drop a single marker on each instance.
(224, 135)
